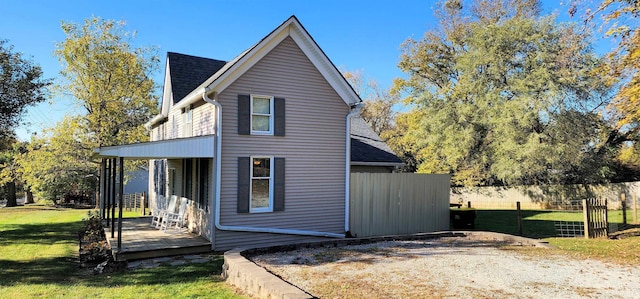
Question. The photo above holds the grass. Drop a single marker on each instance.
(621, 251)
(535, 223)
(38, 258)
(540, 224)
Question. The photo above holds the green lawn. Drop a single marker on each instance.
(38, 258)
(535, 223)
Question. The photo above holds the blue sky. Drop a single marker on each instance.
(356, 35)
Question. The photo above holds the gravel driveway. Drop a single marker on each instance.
(456, 267)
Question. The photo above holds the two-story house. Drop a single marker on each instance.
(262, 145)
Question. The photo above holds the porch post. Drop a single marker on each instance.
(101, 194)
(120, 201)
(107, 191)
(113, 197)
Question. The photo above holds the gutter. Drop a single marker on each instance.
(218, 184)
(355, 109)
(154, 120)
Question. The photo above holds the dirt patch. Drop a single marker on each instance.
(447, 267)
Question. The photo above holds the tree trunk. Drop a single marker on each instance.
(28, 197)
(11, 194)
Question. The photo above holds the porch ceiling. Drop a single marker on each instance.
(192, 147)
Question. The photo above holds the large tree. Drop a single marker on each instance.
(59, 160)
(620, 21)
(21, 85)
(502, 95)
(111, 79)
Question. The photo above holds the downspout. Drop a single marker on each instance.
(347, 177)
(218, 225)
(218, 155)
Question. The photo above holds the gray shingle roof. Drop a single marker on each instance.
(367, 146)
(188, 72)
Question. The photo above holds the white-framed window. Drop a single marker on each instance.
(261, 185)
(187, 114)
(261, 115)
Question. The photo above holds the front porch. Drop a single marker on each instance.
(135, 238)
(139, 240)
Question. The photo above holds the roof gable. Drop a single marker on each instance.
(189, 76)
(187, 72)
(231, 71)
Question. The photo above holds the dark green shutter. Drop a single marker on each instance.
(279, 111)
(279, 178)
(244, 114)
(244, 181)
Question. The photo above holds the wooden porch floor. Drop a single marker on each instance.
(140, 241)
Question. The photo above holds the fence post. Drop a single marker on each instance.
(143, 198)
(585, 211)
(519, 219)
(623, 202)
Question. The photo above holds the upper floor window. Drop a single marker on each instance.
(261, 114)
(187, 125)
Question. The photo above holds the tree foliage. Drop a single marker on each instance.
(60, 160)
(21, 85)
(378, 103)
(621, 21)
(109, 78)
(8, 174)
(502, 95)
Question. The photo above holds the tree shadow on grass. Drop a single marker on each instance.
(43, 234)
(66, 271)
(38, 271)
(506, 221)
(161, 275)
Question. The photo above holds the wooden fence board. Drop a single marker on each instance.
(595, 218)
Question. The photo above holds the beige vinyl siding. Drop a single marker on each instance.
(151, 185)
(174, 124)
(203, 120)
(313, 148)
(155, 133)
(177, 166)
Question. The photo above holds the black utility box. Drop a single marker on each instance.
(462, 218)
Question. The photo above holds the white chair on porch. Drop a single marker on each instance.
(161, 204)
(175, 219)
(169, 208)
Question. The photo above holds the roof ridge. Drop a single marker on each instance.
(194, 56)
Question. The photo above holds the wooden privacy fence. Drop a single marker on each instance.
(398, 203)
(595, 218)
